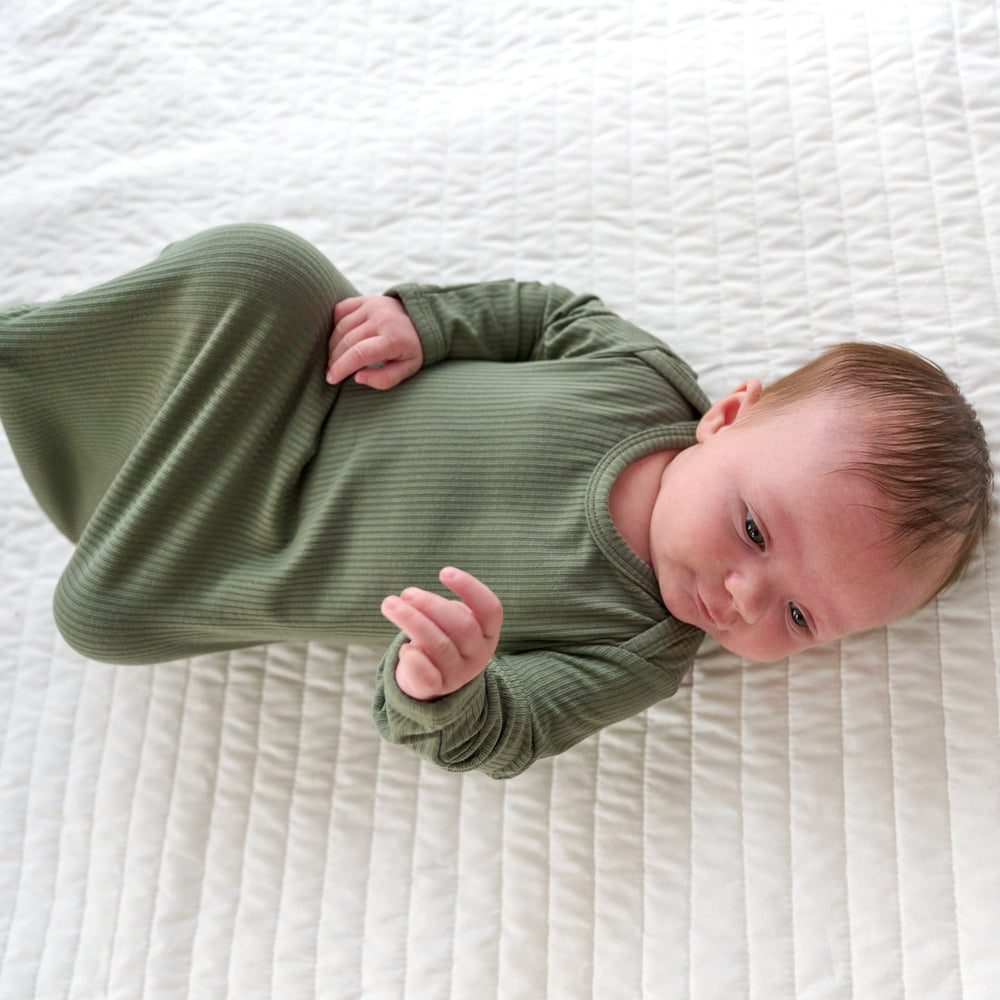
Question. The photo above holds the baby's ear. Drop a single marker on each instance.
(725, 411)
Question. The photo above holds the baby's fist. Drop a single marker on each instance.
(374, 340)
(450, 642)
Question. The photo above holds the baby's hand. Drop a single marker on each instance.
(368, 331)
(450, 641)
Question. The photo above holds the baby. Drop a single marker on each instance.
(837, 501)
(175, 424)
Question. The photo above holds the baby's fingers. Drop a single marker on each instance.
(387, 374)
(459, 634)
(455, 638)
(374, 340)
(347, 313)
(345, 307)
(416, 676)
(410, 616)
(481, 601)
(350, 357)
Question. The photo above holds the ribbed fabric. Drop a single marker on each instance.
(177, 425)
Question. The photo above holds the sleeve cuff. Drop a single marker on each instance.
(432, 337)
(410, 717)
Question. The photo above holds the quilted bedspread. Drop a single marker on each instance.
(747, 179)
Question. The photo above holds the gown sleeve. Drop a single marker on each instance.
(510, 321)
(536, 704)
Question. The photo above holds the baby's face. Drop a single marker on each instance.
(760, 538)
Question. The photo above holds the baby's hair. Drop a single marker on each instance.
(926, 451)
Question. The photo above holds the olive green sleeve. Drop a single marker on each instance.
(531, 705)
(516, 321)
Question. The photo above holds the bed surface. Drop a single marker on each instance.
(749, 181)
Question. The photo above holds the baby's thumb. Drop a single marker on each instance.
(387, 375)
(383, 377)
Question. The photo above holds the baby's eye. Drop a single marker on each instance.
(798, 618)
(753, 532)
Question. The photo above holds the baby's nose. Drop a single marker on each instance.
(748, 594)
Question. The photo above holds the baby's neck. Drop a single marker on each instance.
(632, 498)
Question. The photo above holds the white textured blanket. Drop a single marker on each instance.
(748, 179)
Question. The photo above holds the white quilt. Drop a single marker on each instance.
(748, 179)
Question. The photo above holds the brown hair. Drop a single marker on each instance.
(926, 452)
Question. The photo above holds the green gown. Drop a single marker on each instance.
(175, 424)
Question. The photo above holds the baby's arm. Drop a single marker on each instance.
(533, 703)
(450, 642)
(374, 340)
(419, 325)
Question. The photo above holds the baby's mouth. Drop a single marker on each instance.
(703, 609)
